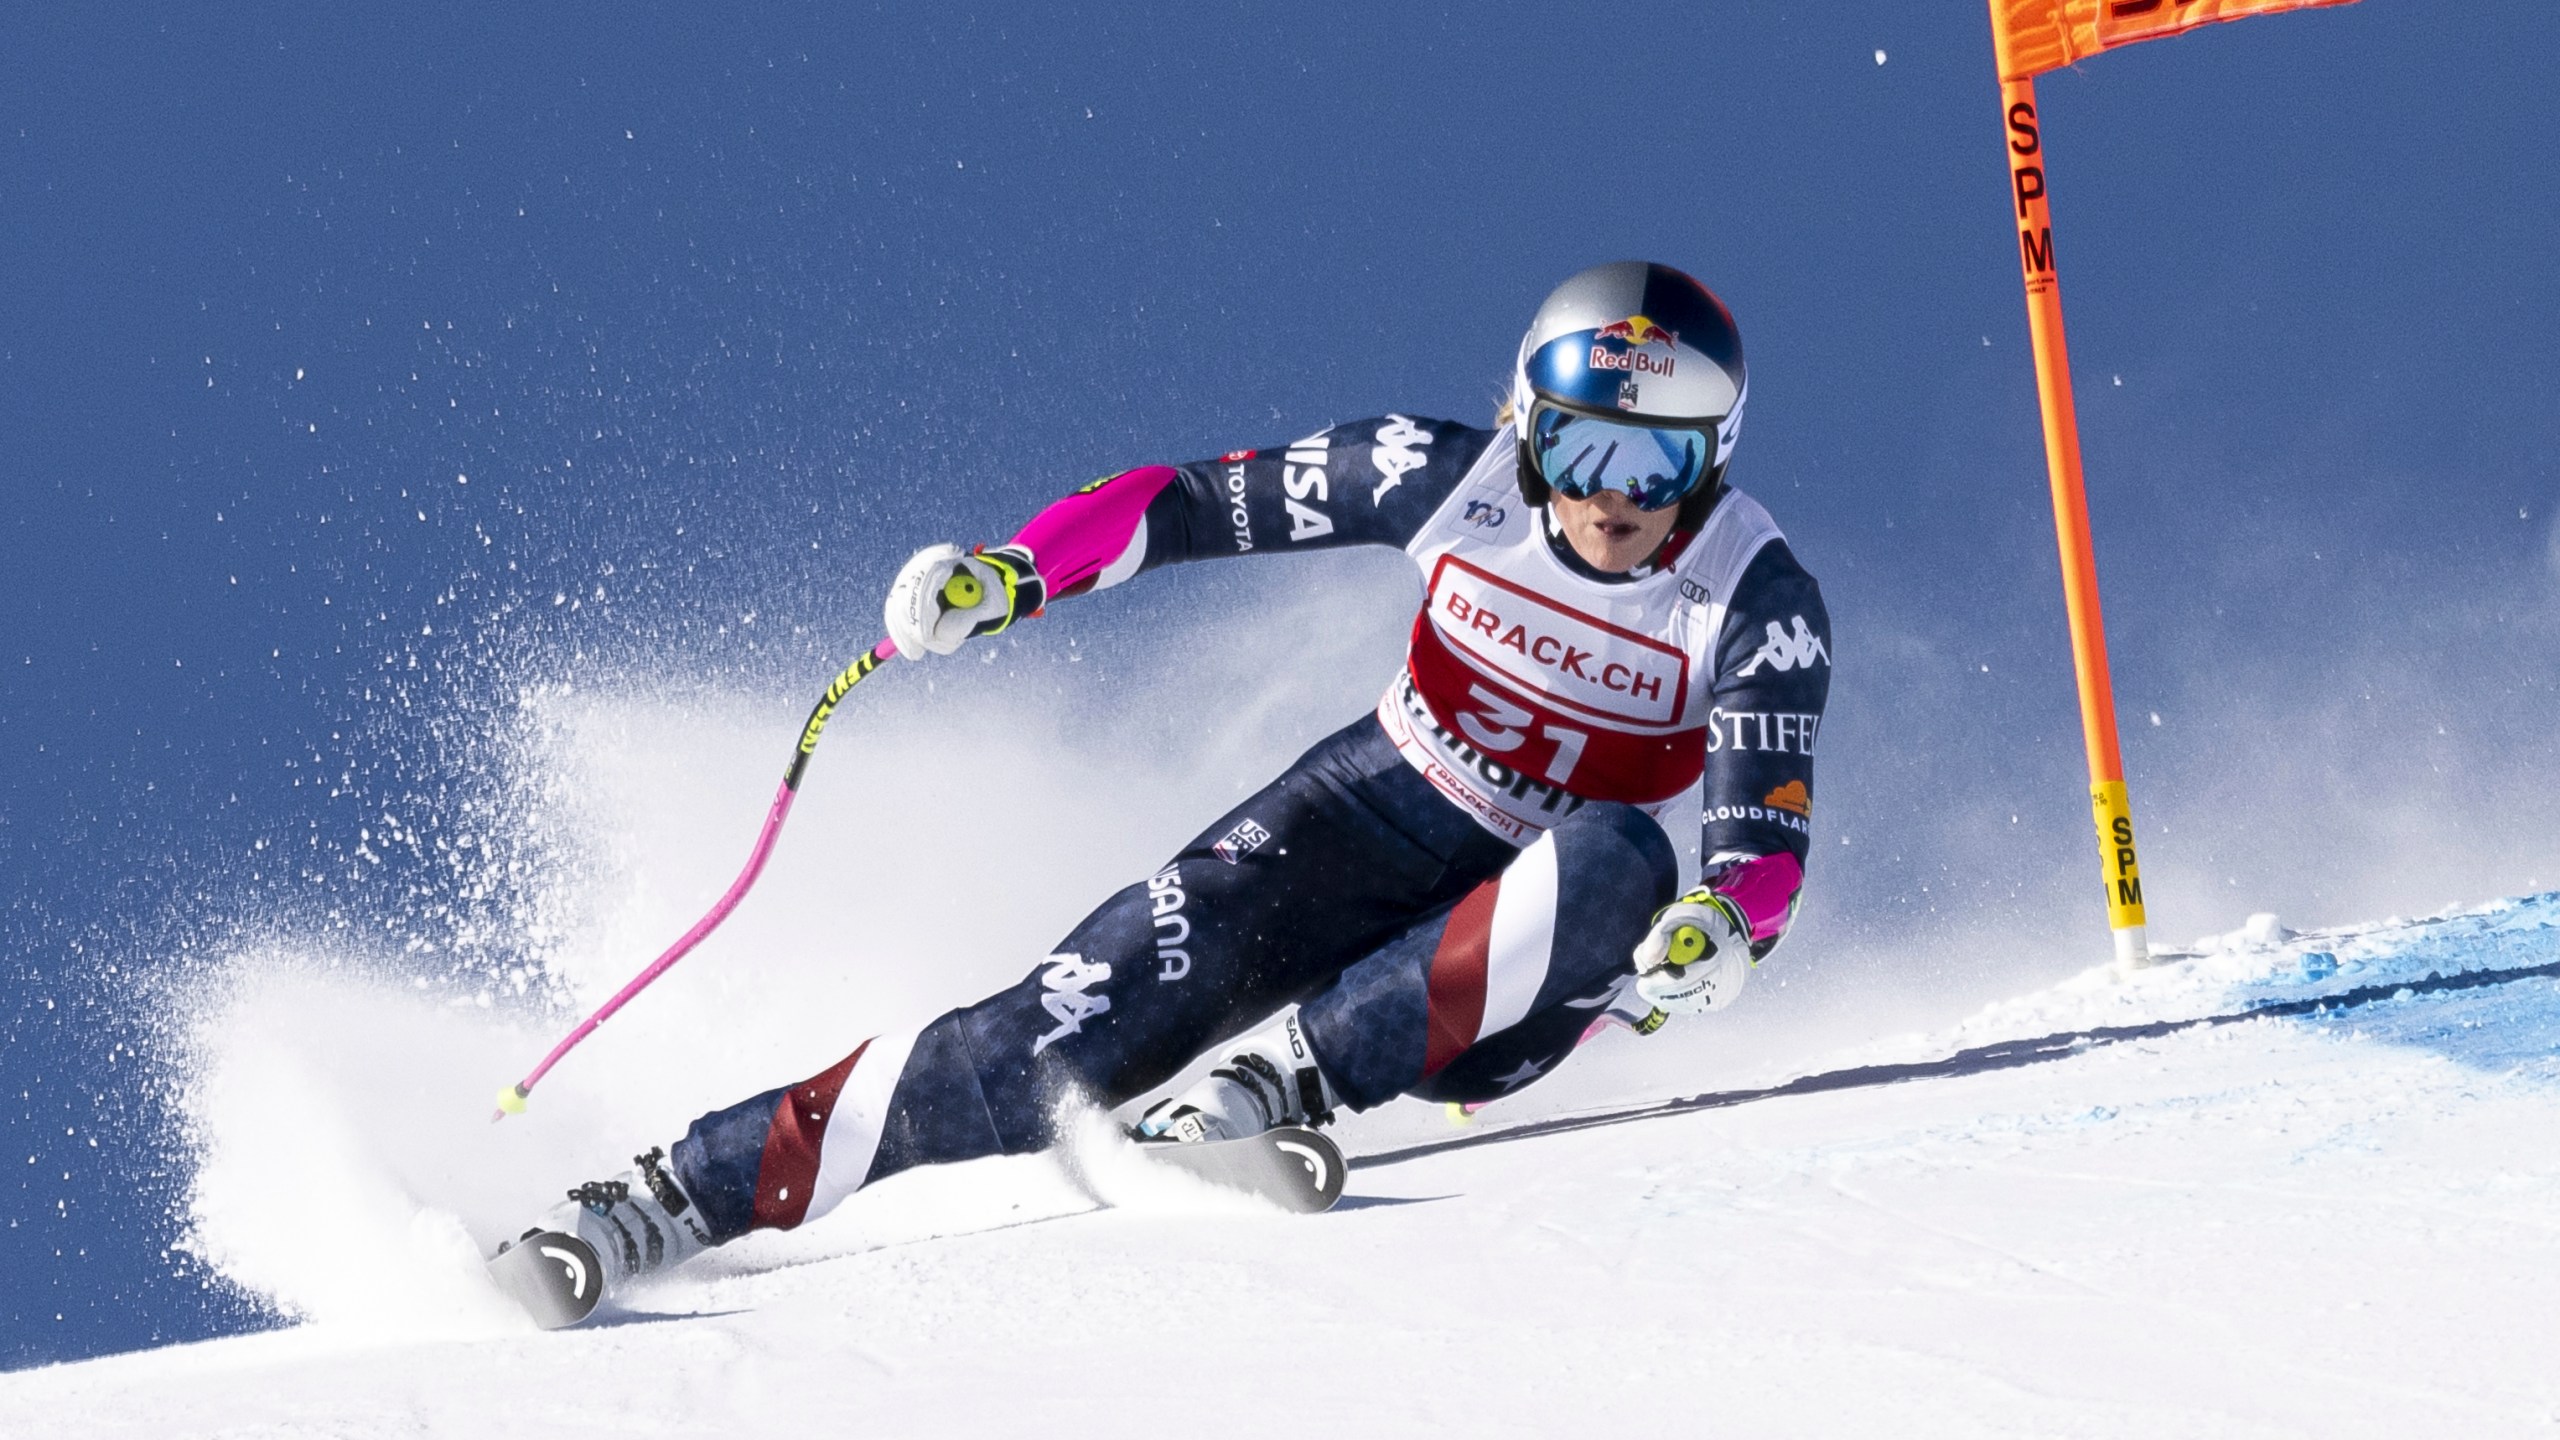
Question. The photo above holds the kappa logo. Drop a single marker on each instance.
(1789, 652)
(1397, 454)
(1304, 478)
(1791, 796)
(1243, 840)
(1066, 980)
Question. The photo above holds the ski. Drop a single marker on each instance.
(556, 1278)
(1291, 1166)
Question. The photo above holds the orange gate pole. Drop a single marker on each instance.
(2121, 871)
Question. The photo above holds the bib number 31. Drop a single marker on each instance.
(1499, 727)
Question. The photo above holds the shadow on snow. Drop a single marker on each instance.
(2006, 1055)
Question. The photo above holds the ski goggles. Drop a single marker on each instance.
(1581, 455)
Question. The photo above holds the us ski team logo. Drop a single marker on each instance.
(1243, 840)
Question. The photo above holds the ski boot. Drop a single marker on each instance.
(1248, 1125)
(605, 1234)
(1272, 1081)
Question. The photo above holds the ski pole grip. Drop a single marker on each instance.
(962, 590)
(1688, 943)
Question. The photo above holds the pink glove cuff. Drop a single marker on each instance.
(1079, 537)
(1765, 888)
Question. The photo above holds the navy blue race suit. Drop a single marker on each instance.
(1450, 887)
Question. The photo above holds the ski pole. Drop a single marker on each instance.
(961, 591)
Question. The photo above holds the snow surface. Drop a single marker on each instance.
(2106, 1208)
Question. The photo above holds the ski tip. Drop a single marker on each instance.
(557, 1278)
(1291, 1166)
(1320, 1170)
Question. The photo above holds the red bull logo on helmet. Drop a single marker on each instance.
(1637, 330)
(1632, 351)
(1642, 362)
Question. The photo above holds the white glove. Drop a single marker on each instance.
(1697, 955)
(943, 596)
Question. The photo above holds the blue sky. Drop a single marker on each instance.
(338, 344)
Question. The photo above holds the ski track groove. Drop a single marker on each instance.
(2035, 1267)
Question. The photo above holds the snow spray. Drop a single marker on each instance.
(511, 1100)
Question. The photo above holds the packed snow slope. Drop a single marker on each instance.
(2291, 1185)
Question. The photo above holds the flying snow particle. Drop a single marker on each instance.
(2155, 717)
(1879, 57)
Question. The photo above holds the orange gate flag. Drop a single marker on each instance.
(2029, 38)
(2033, 36)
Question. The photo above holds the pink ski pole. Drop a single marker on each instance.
(511, 1100)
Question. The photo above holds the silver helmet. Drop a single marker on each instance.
(1630, 378)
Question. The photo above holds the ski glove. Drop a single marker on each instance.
(1697, 955)
(943, 597)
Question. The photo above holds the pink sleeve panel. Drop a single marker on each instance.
(1075, 540)
(1765, 887)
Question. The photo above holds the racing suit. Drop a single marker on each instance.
(1449, 887)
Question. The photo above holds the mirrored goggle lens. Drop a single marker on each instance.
(1580, 456)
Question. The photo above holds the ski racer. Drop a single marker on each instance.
(1601, 742)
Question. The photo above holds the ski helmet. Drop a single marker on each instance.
(1630, 379)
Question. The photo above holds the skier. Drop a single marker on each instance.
(1601, 739)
